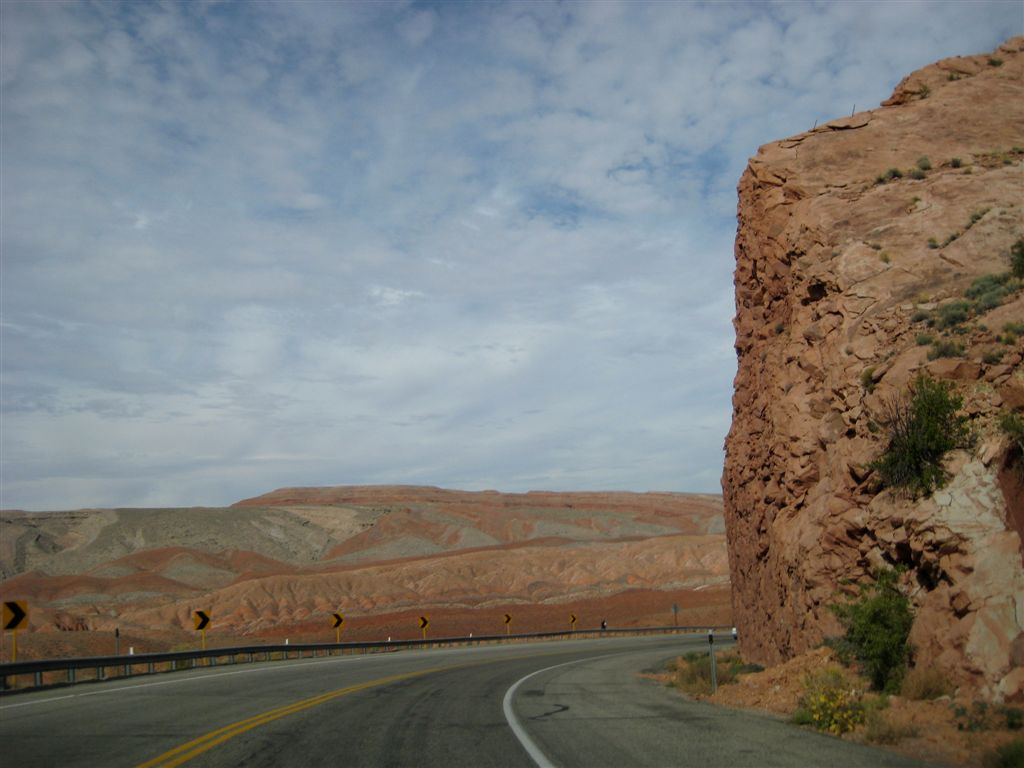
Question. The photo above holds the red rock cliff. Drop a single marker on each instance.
(840, 279)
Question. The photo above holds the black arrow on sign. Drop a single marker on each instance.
(508, 618)
(424, 622)
(572, 618)
(17, 615)
(338, 620)
(201, 620)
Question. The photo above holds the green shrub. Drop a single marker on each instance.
(1017, 258)
(889, 175)
(933, 243)
(994, 61)
(953, 313)
(945, 348)
(1017, 329)
(992, 357)
(923, 426)
(1012, 425)
(977, 216)
(925, 683)
(956, 162)
(924, 163)
(877, 625)
(919, 316)
(917, 173)
(924, 339)
(830, 703)
(987, 284)
(1010, 755)
(977, 717)
(867, 379)
(952, 237)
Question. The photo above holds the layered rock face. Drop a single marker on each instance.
(849, 278)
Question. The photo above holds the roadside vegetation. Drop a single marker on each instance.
(691, 673)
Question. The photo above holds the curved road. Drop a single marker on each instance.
(569, 703)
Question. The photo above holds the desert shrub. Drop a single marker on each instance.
(1017, 258)
(830, 702)
(956, 162)
(945, 348)
(924, 163)
(1010, 755)
(953, 313)
(1014, 717)
(933, 243)
(924, 339)
(925, 683)
(867, 379)
(917, 173)
(995, 61)
(977, 216)
(1012, 425)
(923, 426)
(693, 671)
(879, 729)
(978, 717)
(919, 316)
(877, 625)
(889, 175)
(989, 291)
(1017, 329)
(992, 357)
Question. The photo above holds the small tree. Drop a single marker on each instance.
(922, 429)
(877, 626)
(1017, 258)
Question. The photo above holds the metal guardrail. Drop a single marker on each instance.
(147, 663)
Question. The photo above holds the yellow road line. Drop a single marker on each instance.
(187, 751)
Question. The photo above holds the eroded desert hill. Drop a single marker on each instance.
(869, 250)
(279, 564)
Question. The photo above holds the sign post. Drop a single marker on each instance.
(338, 621)
(714, 668)
(572, 622)
(424, 623)
(15, 617)
(508, 623)
(202, 621)
(675, 615)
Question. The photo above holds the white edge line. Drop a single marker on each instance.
(535, 752)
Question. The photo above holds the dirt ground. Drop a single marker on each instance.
(939, 735)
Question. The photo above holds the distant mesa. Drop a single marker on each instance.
(279, 565)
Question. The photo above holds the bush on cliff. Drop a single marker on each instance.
(923, 427)
(1017, 258)
(877, 626)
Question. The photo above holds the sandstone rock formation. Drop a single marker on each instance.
(278, 565)
(843, 268)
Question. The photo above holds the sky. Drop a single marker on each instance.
(473, 245)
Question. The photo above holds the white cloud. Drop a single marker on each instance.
(249, 246)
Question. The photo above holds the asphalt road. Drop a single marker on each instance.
(569, 703)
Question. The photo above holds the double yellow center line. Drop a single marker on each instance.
(208, 741)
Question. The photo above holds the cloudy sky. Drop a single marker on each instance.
(475, 245)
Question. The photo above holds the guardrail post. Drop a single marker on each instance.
(152, 668)
(71, 674)
(39, 679)
(101, 673)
